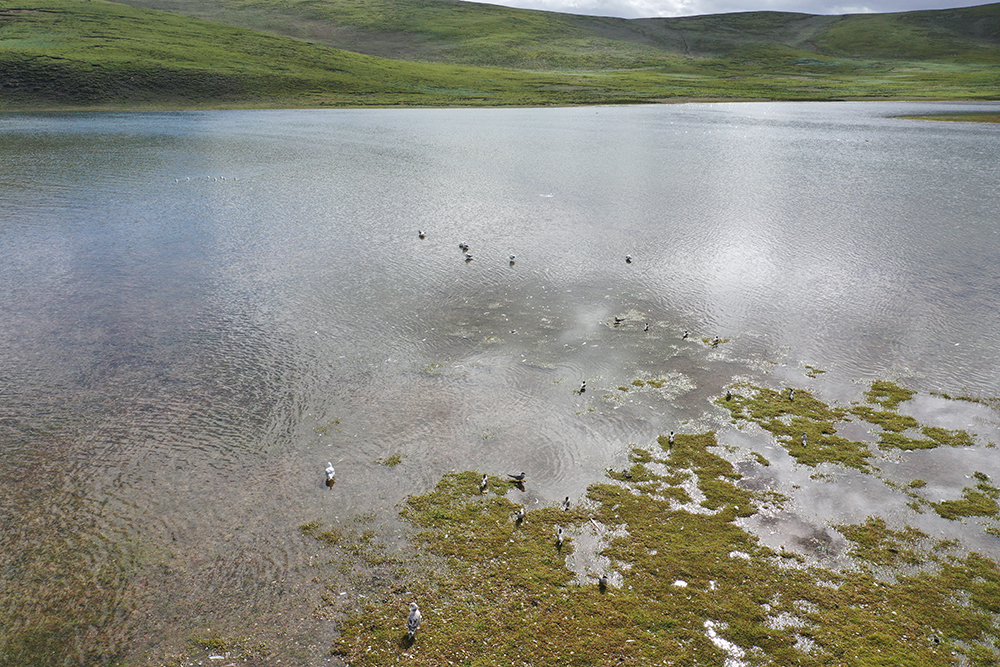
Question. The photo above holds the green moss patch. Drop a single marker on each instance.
(687, 585)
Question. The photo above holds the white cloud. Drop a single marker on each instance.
(668, 8)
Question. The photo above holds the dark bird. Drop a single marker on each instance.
(463, 246)
(729, 395)
(602, 582)
(646, 327)
(619, 320)
(716, 341)
(517, 478)
(686, 334)
(791, 394)
(413, 620)
(628, 259)
(804, 439)
(565, 504)
(482, 484)
(670, 439)
(583, 387)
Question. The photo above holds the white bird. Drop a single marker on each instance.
(519, 517)
(646, 327)
(413, 620)
(565, 504)
(583, 386)
(482, 484)
(330, 473)
(670, 439)
(716, 341)
(559, 537)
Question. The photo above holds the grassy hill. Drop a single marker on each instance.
(183, 53)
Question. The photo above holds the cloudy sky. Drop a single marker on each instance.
(651, 8)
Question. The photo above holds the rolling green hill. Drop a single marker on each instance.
(227, 53)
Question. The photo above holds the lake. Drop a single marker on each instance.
(201, 309)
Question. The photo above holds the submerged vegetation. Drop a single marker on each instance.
(342, 53)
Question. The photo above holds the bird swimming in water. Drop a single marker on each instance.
(468, 257)
(517, 478)
(413, 620)
(565, 504)
(619, 320)
(686, 334)
(519, 517)
(511, 258)
(716, 341)
(482, 484)
(420, 234)
(646, 327)
(463, 246)
(583, 387)
(559, 537)
(628, 259)
(331, 473)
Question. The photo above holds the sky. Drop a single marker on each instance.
(657, 8)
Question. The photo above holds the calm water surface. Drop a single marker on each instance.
(199, 310)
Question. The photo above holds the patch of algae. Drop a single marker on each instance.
(688, 585)
(793, 412)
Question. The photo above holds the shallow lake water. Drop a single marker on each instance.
(201, 309)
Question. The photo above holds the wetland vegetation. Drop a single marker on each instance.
(673, 575)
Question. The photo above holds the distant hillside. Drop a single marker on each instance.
(479, 34)
(313, 53)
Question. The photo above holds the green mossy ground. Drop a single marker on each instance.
(791, 412)
(684, 577)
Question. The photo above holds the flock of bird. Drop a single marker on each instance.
(414, 619)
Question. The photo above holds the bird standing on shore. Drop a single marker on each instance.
(565, 504)
(331, 473)
(670, 439)
(482, 484)
(716, 341)
(413, 620)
